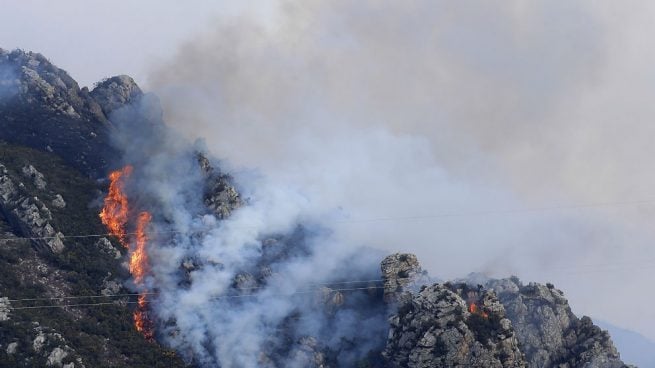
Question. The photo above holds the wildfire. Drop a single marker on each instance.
(114, 214)
(142, 322)
(138, 269)
(473, 309)
(139, 257)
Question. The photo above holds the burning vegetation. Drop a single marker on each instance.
(116, 215)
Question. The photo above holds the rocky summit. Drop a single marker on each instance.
(57, 144)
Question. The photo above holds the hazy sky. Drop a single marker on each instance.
(401, 109)
(97, 39)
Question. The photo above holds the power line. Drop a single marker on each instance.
(212, 298)
(505, 211)
(382, 219)
(157, 293)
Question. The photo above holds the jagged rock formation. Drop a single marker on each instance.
(401, 272)
(551, 335)
(443, 325)
(29, 213)
(435, 328)
(42, 107)
(221, 197)
(116, 92)
(501, 324)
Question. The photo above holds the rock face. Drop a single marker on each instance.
(4, 309)
(501, 324)
(29, 214)
(436, 329)
(399, 272)
(42, 107)
(115, 92)
(551, 335)
(220, 197)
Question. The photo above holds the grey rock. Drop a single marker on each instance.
(221, 197)
(435, 329)
(56, 356)
(36, 96)
(400, 272)
(37, 178)
(39, 341)
(11, 348)
(115, 92)
(5, 308)
(549, 333)
(58, 202)
(110, 287)
(28, 214)
(106, 247)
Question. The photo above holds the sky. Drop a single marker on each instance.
(502, 137)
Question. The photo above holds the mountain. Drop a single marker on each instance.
(73, 296)
(55, 141)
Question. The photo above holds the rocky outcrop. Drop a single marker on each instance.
(35, 176)
(400, 272)
(113, 93)
(436, 328)
(29, 214)
(42, 107)
(550, 334)
(221, 197)
(105, 246)
(444, 325)
(496, 323)
(4, 309)
(54, 348)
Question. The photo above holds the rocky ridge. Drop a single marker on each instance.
(42, 107)
(500, 324)
(552, 336)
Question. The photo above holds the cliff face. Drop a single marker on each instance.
(502, 323)
(437, 328)
(42, 107)
(551, 335)
(56, 137)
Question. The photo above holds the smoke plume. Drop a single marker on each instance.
(504, 137)
(425, 125)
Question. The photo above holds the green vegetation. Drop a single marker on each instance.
(103, 336)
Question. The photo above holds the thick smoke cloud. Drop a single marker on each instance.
(388, 111)
(248, 290)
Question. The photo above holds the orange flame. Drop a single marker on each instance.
(114, 214)
(473, 309)
(142, 322)
(139, 257)
(138, 269)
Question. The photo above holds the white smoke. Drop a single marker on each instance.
(391, 110)
(275, 241)
(470, 134)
